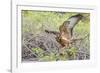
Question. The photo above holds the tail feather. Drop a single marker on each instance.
(52, 32)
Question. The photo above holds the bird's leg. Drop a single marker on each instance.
(62, 50)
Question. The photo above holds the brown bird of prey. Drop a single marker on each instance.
(65, 36)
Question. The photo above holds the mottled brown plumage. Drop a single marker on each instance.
(65, 36)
